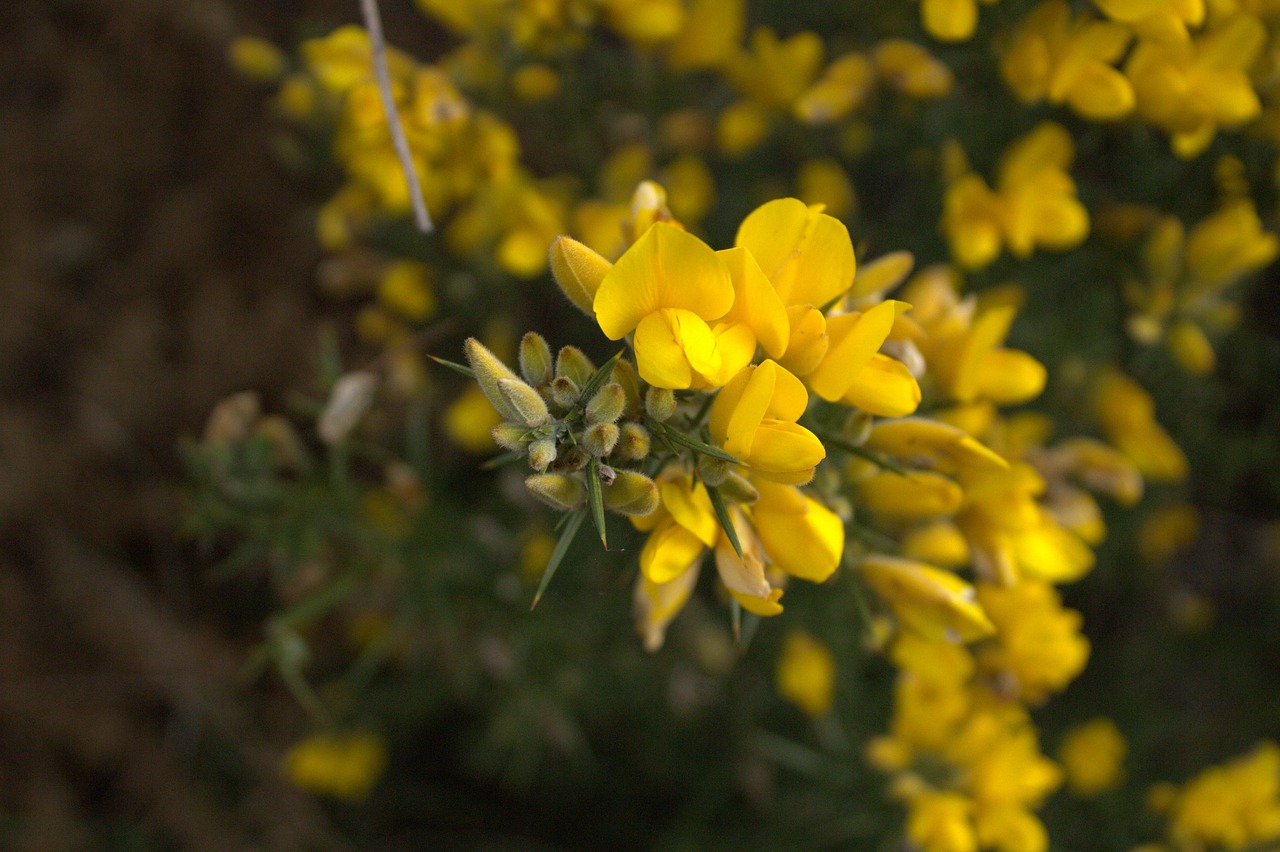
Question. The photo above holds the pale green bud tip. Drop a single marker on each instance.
(634, 442)
(542, 453)
(528, 404)
(535, 359)
(564, 392)
(572, 363)
(510, 436)
(578, 270)
(600, 439)
(660, 403)
(625, 375)
(488, 370)
(631, 493)
(606, 406)
(557, 490)
(736, 489)
(712, 471)
(857, 428)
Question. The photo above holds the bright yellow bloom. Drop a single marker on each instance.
(1191, 89)
(1092, 755)
(941, 822)
(802, 537)
(342, 765)
(1127, 415)
(1231, 806)
(754, 419)
(806, 673)
(805, 253)
(935, 603)
(919, 494)
(1038, 643)
(950, 20)
(710, 36)
(1069, 61)
(680, 531)
(665, 288)
(1157, 20)
(470, 419)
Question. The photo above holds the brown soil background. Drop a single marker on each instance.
(153, 259)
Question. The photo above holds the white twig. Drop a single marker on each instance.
(373, 23)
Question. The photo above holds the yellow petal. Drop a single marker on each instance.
(670, 551)
(670, 345)
(920, 494)
(805, 253)
(767, 606)
(855, 338)
(933, 602)
(949, 20)
(1010, 377)
(800, 535)
(666, 268)
(690, 507)
(785, 452)
(756, 303)
(1100, 93)
(656, 604)
(885, 387)
(808, 341)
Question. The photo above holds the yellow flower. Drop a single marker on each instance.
(1157, 20)
(843, 87)
(942, 822)
(933, 602)
(1127, 415)
(1053, 57)
(801, 536)
(665, 288)
(657, 604)
(754, 419)
(1037, 643)
(950, 20)
(912, 70)
(805, 253)
(342, 765)
(776, 72)
(680, 531)
(710, 37)
(470, 419)
(1092, 755)
(1230, 806)
(806, 673)
(1191, 89)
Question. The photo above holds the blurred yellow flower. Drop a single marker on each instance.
(342, 765)
(1092, 755)
(806, 673)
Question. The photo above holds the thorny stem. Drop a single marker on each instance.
(373, 23)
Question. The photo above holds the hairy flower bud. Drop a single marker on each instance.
(510, 436)
(525, 401)
(634, 442)
(712, 471)
(564, 392)
(606, 406)
(600, 439)
(737, 489)
(578, 271)
(660, 403)
(571, 459)
(572, 363)
(542, 453)
(557, 490)
(631, 493)
(624, 373)
(488, 369)
(535, 359)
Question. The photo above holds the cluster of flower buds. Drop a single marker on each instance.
(579, 426)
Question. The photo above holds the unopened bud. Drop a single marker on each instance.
(606, 406)
(564, 392)
(857, 428)
(600, 439)
(624, 373)
(233, 418)
(737, 489)
(578, 270)
(712, 471)
(571, 459)
(528, 404)
(572, 363)
(557, 490)
(542, 453)
(488, 369)
(350, 398)
(535, 359)
(631, 493)
(634, 442)
(660, 403)
(510, 436)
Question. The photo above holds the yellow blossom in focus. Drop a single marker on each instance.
(754, 419)
(806, 673)
(342, 765)
(1092, 755)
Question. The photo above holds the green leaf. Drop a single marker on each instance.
(726, 523)
(455, 366)
(598, 378)
(504, 459)
(694, 444)
(573, 521)
(595, 498)
(861, 452)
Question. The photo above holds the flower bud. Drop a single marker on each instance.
(233, 418)
(572, 363)
(542, 453)
(631, 493)
(350, 399)
(857, 428)
(525, 401)
(737, 489)
(660, 403)
(564, 392)
(488, 370)
(510, 436)
(578, 271)
(606, 406)
(571, 459)
(712, 471)
(624, 373)
(633, 442)
(557, 490)
(600, 439)
(535, 359)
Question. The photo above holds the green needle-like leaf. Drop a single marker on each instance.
(573, 521)
(455, 366)
(722, 515)
(595, 498)
(598, 378)
(504, 459)
(694, 444)
(862, 452)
